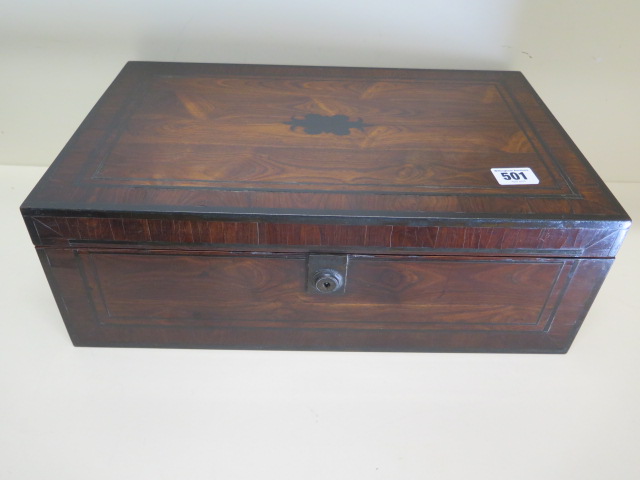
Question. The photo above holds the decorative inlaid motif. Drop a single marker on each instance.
(315, 124)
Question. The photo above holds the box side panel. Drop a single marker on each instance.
(193, 299)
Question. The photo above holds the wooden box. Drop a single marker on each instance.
(238, 206)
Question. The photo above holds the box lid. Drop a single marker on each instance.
(359, 147)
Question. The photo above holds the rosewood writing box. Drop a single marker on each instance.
(238, 206)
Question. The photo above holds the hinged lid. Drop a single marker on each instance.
(325, 157)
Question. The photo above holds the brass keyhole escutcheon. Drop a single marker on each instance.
(328, 280)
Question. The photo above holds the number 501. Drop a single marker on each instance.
(514, 176)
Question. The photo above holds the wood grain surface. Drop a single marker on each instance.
(226, 300)
(216, 140)
(185, 210)
(505, 238)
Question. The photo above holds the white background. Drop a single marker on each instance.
(78, 413)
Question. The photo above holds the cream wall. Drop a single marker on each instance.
(581, 55)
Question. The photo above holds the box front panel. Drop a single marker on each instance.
(242, 300)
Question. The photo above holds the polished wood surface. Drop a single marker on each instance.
(218, 140)
(505, 238)
(187, 208)
(225, 300)
(270, 291)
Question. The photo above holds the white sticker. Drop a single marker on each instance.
(515, 176)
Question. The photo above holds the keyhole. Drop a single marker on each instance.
(327, 280)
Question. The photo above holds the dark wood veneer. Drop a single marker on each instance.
(185, 210)
(227, 301)
(525, 239)
(197, 138)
